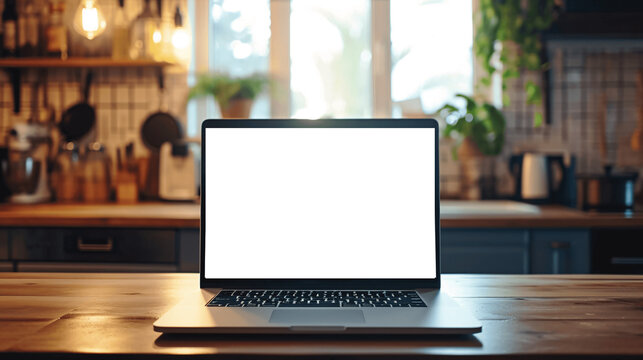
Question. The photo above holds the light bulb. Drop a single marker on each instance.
(156, 36)
(180, 38)
(89, 20)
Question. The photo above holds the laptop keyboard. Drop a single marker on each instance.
(317, 298)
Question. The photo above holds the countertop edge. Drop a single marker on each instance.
(186, 216)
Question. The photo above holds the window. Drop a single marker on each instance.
(331, 58)
(426, 63)
(241, 42)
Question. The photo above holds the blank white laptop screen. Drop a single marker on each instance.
(320, 203)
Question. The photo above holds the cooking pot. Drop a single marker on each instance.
(608, 192)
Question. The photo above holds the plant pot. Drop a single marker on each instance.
(468, 150)
(478, 178)
(236, 109)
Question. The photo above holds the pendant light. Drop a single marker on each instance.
(180, 36)
(89, 20)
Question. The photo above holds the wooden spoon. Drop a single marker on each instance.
(602, 126)
(636, 142)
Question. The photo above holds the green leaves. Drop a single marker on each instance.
(518, 22)
(538, 119)
(484, 124)
(225, 88)
(534, 95)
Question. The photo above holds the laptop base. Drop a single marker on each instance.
(441, 316)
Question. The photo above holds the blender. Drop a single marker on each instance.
(26, 174)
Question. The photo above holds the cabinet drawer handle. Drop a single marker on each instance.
(559, 245)
(107, 246)
(626, 261)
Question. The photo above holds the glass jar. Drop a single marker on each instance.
(66, 173)
(120, 36)
(56, 31)
(142, 32)
(95, 174)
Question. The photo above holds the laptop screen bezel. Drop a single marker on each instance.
(295, 283)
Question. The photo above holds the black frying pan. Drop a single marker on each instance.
(80, 118)
(158, 128)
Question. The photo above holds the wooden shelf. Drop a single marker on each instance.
(37, 62)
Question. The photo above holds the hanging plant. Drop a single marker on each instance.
(502, 23)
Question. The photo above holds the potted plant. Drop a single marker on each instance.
(511, 30)
(480, 132)
(234, 95)
(481, 127)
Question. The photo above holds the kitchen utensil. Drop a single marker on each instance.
(47, 113)
(637, 137)
(559, 58)
(542, 178)
(601, 126)
(26, 170)
(33, 111)
(4, 159)
(79, 120)
(130, 162)
(177, 172)
(607, 192)
(125, 185)
(607, 154)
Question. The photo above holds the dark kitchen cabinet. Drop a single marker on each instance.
(4, 245)
(93, 245)
(487, 251)
(617, 251)
(560, 251)
(4, 251)
(93, 249)
(516, 251)
(188, 250)
(482, 250)
(99, 250)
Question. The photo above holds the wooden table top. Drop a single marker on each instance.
(186, 215)
(556, 316)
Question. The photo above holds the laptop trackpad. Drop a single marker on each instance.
(317, 317)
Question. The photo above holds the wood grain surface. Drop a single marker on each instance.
(186, 215)
(527, 316)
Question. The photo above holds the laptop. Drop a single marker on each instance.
(319, 226)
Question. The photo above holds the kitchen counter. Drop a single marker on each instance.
(44, 316)
(140, 215)
(186, 215)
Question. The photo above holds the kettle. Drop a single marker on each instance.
(542, 178)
